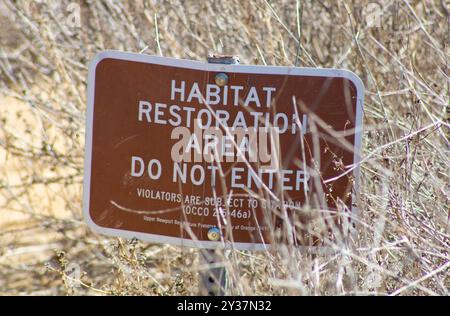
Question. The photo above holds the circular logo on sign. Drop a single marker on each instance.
(214, 234)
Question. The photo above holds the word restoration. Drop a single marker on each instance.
(174, 156)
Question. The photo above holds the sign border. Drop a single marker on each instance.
(229, 68)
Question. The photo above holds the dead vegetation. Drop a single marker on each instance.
(403, 245)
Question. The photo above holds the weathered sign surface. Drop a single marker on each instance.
(199, 154)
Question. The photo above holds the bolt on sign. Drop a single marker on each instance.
(210, 155)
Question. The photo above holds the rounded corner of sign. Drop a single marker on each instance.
(356, 80)
(90, 222)
(99, 57)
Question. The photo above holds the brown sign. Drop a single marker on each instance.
(204, 155)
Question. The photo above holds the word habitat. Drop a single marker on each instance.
(216, 95)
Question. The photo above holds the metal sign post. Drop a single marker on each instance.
(213, 280)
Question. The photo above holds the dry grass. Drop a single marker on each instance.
(403, 245)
